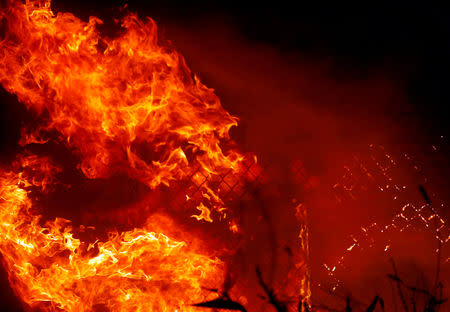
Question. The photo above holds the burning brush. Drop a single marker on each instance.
(128, 106)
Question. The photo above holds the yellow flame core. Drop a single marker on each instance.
(136, 270)
(109, 97)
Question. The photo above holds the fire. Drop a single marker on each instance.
(112, 98)
(205, 214)
(134, 270)
(123, 105)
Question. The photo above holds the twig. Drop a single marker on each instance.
(438, 236)
(432, 304)
(393, 295)
(413, 300)
(382, 304)
(279, 306)
(399, 284)
(223, 302)
(440, 296)
(374, 302)
(424, 194)
(347, 305)
(438, 263)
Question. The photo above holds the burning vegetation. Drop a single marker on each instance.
(124, 105)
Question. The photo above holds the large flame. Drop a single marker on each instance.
(138, 270)
(124, 105)
(111, 99)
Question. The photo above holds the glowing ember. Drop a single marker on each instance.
(123, 105)
(411, 214)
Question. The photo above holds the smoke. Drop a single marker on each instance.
(325, 114)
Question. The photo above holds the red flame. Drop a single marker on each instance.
(124, 105)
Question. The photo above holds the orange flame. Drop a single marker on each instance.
(124, 105)
(112, 98)
(134, 270)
